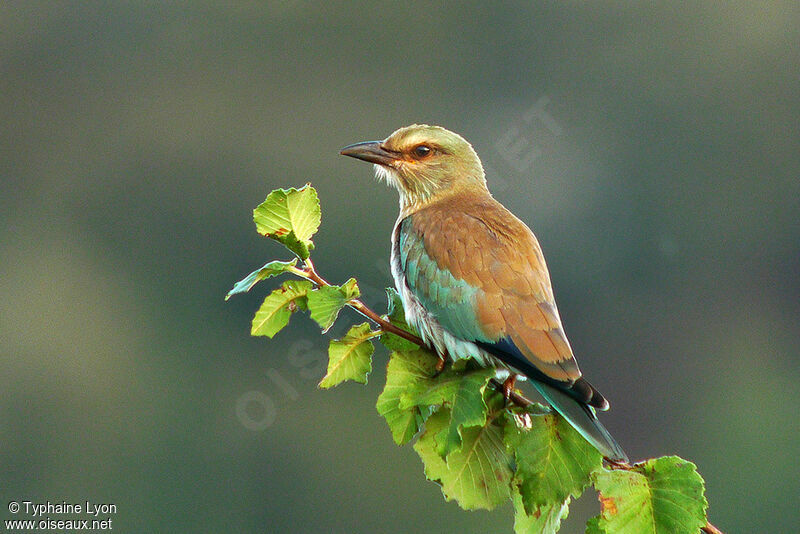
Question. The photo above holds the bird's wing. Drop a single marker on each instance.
(480, 271)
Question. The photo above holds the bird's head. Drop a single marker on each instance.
(423, 162)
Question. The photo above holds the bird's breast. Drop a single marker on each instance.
(426, 323)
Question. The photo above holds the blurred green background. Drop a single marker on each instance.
(653, 149)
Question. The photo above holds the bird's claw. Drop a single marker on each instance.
(440, 363)
(508, 387)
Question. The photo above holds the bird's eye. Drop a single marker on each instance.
(421, 151)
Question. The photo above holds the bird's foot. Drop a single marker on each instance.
(440, 364)
(508, 387)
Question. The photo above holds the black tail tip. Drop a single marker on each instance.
(588, 394)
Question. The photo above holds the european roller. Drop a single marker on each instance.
(472, 276)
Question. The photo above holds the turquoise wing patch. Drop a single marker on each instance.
(450, 300)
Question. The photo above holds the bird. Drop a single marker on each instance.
(472, 277)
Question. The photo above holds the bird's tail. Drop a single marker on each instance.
(584, 420)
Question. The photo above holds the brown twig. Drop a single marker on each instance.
(710, 529)
(311, 273)
(362, 308)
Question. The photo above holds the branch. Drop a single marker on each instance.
(710, 529)
(311, 274)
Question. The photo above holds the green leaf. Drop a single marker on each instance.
(479, 474)
(279, 305)
(462, 393)
(396, 316)
(660, 496)
(326, 302)
(405, 369)
(553, 460)
(350, 358)
(543, 520)
(290, 216)
(272, 268)
(593, 526)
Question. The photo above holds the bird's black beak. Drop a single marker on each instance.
(371, 151)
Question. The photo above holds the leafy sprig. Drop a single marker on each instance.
(481, 451)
